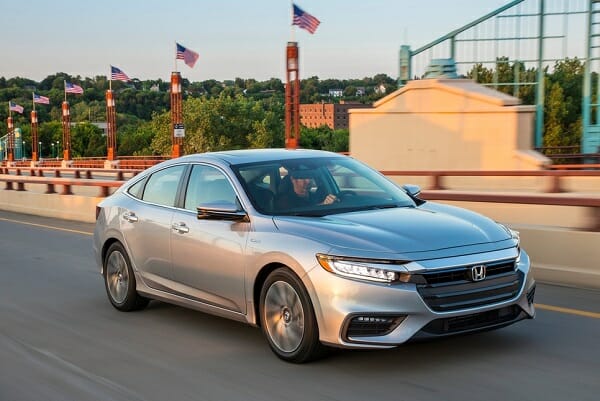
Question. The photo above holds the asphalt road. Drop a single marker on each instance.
(60, 339)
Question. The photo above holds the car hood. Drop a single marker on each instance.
(429, 227)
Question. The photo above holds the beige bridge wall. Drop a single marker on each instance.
(445, 124)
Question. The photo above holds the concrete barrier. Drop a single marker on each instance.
(563, 256)
(72, 207)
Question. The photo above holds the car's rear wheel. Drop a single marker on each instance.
(119, 280)
(287, 318)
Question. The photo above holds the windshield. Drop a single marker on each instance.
(318, 187)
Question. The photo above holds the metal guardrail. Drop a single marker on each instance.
(51, 182)
(15, 178)
(87, 173)
(437, 177)
(590, 202)
(124, 162)
(437, 191)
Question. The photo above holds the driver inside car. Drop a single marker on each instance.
(300, 195)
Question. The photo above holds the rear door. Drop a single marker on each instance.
(146, 226)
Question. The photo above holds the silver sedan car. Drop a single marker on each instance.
(315, 248)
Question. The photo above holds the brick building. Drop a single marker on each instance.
(334, 115)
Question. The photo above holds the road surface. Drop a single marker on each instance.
(60, 339)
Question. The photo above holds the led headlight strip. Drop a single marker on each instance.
(364, 269)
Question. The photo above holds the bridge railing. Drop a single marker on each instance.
(125, 162)
(16, 179)
(19, 182)
(88, 173)
(555, 178)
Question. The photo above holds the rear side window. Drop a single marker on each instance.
(161, 187)
(136, 189)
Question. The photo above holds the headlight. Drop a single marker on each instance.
(363, 269)
(513, 234)
(517, 237)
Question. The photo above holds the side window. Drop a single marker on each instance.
(208, 185)
(162, 186)
(136, 189)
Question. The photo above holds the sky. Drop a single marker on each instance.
(235, 38)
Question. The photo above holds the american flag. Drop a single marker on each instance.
(40, 99)
(12, 106)
(118, 75)
(72, 88)
(304, 20)
(188, 56)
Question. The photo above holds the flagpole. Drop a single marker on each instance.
(9, 110)
(33, 100)
(293, 31)
(110, 79)
(65, 88)
(175, 56)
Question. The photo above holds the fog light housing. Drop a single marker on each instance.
(370, 325)
(531, 295)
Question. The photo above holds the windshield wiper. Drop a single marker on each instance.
(310, 214)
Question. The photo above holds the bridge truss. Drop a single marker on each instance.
(524, 33)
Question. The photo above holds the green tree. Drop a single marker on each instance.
(87, 140)
(324, 138)
(221, 123)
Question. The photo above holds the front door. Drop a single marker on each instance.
(209, 255)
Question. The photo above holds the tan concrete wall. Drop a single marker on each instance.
(71, 207)
(445, 124)
(562, 256)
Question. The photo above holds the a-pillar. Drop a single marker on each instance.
(10, 143)
(66, 125)
(177, 128)
(111, 132)
(292, 98)
(34, 139)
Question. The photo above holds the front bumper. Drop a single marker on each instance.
(358, 314)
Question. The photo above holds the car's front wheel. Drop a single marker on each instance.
(287, 318)
(119, 280)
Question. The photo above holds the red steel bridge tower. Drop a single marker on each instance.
(292, 97)
(177, 129)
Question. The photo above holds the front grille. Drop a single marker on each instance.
(450, 290)
(476, 321)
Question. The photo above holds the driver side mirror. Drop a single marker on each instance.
(221, 211)
(412, 190)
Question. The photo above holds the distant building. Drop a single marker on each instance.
(334, 115)
(100, 124)
(380, 89)
(336, 92)
(155, 88)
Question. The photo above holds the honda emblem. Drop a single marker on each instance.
(478, 273)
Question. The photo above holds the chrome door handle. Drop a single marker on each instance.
(181, 228)
(130, 217)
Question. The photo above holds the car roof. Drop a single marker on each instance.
(233, 157)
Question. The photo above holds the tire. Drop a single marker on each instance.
(287, 318)
(119, 280)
